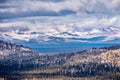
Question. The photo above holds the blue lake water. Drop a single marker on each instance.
(63, 47)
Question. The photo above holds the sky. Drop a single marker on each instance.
(60, 21)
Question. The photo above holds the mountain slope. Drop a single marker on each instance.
(111, 57)
(24, 61)
(14, 56)
(100, 63)
(98, 56)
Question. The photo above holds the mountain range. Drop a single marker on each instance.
(20, 61)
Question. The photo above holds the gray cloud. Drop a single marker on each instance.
(2, 29)
(3, 1)
(51, 0)
(54, 20)
(65, 28)
(26, 8)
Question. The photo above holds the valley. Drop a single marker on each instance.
(21, 63)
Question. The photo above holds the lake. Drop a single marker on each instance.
(63, 47)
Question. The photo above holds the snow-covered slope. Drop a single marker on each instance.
(112, 56)
(105, 55)
(7, 49)
(16, 55)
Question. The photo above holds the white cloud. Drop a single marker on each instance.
(31, 19)
(78, 6)
(45, 27)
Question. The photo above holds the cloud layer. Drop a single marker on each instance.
(49, 21)
(22, 8)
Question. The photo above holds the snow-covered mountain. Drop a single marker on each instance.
(14, 56)
(103, 55)
(20, 55)
(65, 37)
(95, 61)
